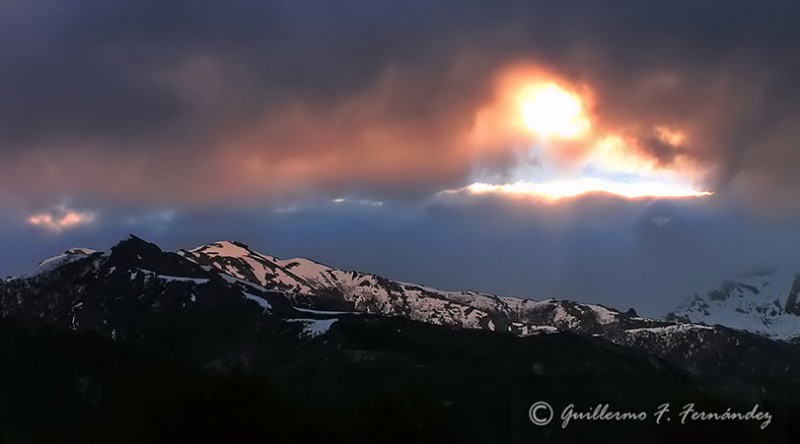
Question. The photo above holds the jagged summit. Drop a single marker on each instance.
(135, 244)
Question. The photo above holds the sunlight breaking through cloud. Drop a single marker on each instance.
(562, 189)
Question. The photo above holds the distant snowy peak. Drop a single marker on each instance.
(766, 304)
(71, 255)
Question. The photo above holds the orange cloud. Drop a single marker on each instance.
(384, 139)
(61, 219)
(537, 113)
(397, 136)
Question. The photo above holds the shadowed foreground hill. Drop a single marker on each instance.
(376, 381)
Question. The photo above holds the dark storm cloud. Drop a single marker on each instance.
(655, 147)
(191, 101)
(103, 68)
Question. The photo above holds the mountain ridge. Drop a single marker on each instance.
(223, 308)
(308, 298)
(756, 303)
(318, 285)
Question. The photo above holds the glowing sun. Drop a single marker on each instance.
(559, 147)
(550, 111)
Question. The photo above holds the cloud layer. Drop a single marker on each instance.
(197, 102)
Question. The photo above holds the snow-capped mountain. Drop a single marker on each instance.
(224, 300)
(108, 328)
(128, 290)
(763, 303)
(319, 286)
(313, 285)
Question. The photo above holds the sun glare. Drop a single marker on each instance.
(572, 188)
(563, 149)
(550, 111)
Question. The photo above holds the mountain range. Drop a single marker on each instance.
(223, 308)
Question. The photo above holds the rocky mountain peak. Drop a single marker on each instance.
(135, 245)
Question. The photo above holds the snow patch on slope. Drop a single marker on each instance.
(258, 300)
(315, 327)
(198, 281)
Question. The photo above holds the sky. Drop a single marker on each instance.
(626, 153)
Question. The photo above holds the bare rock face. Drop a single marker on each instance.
(792, 304)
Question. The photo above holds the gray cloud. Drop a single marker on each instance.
(154, 85)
